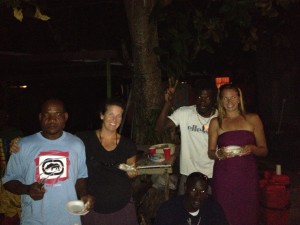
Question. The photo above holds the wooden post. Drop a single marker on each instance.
(108, 78)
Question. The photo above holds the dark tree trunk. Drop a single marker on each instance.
(146, 88)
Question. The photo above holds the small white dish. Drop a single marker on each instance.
(157, 158)
(234, 149)
(126, 167)
(76, 207)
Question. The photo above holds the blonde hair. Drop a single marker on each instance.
(221, 109)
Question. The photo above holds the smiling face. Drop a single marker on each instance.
(230, 100)
(112, 117)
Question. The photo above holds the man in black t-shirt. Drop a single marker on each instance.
(195, 207)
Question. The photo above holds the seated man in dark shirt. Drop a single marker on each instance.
(195, 207)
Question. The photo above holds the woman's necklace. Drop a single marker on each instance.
(205, 124)
(100, 137)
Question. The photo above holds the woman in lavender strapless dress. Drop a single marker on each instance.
(235, 176)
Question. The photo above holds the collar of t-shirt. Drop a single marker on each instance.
(194, 213)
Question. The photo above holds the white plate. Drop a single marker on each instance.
(157, 157)
(126, 167)
(76, 207)
(235, 149)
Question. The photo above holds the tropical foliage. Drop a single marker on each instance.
(193, 30)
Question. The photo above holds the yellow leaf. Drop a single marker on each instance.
(18, 14)
(39, 15)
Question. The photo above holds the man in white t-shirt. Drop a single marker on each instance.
(193, 122)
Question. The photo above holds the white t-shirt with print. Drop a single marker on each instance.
(194, 141)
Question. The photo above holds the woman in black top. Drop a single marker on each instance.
(106, 149)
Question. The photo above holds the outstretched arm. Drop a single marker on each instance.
(163, 122)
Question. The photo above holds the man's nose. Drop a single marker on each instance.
(198, 194)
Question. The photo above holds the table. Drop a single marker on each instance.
(147, 166)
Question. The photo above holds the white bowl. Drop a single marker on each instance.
(157, 157)
(76, 207)
(160, 148)
(235, 149)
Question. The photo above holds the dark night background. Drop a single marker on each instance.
(84, 27)
(67, 55)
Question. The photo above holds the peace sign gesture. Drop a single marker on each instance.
(169, 93)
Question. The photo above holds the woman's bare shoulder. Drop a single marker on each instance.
(214, 121)
(252, 117)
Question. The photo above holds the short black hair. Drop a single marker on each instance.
(196, 176)
(53, 99)
(206, 83)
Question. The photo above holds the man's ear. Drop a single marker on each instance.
(101, 116)
(66, 116)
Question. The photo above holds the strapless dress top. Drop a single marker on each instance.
(236, 137)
